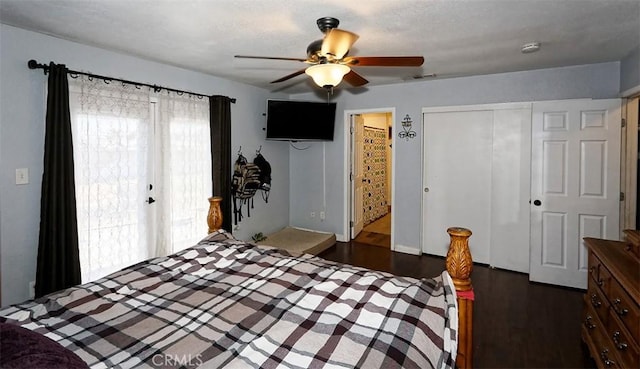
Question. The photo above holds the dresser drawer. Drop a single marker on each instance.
(633, 239)
(601, 353)
(599, 274)
(597, 301)
(625, 308)
(594, 334)
(590, 319)
(624, 345)
(601, 348)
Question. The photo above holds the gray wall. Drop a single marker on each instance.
(303, 180)
(590, 81)
(22, 111)
(630, 71)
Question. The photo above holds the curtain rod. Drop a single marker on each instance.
(32, 64)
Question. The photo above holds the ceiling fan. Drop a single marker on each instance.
(329, 62)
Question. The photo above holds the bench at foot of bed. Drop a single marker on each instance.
(296, 240)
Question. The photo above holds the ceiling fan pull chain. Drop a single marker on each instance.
(329, 93)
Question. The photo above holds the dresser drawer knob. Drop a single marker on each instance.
(588, 322)
(600, 282)
(616, 306)
(594, 301)
(604, 355)
(616, 339)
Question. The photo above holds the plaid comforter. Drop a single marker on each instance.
(227, 303)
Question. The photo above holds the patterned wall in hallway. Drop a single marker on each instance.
(375, 173)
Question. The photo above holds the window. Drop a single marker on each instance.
(142, 173)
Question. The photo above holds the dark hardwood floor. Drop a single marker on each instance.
(517, 324)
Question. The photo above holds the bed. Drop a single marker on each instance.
(232, 304)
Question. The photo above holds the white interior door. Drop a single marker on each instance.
(357, 144)
(575, 185)
(631, 110)
(457, 179)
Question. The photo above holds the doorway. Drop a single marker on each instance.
(371, 177)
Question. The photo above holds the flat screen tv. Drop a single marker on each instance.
(290, 120)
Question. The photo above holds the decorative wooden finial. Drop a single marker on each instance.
(459, 262)
(214, 218)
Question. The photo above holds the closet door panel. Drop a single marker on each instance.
(511, 163)
(457, 179)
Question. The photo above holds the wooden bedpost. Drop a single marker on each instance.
(214, 218)
(459, 266)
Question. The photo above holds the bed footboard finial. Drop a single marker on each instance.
(214, 218)
(459, 262)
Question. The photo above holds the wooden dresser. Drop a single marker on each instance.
(611, 318)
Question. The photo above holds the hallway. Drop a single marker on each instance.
(377, 233)
(381, 225)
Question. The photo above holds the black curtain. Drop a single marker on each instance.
(220, 124)
(58, 257)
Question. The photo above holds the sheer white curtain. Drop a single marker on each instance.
(184, 165)
(111, 130)
(130, 146)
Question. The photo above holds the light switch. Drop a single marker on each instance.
(22, 176)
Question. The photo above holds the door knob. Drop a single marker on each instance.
(537, 202)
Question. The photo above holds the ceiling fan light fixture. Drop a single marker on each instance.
(327, 75)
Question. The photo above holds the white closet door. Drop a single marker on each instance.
(511, 173)
(457, 179)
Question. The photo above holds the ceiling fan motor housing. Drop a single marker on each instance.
(325, 24)
(313, 50)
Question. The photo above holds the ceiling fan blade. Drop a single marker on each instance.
(354, 79)
(289, 76)
(337, 42)
(268, 58)
(384, 61)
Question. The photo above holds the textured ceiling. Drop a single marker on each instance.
(456, 38)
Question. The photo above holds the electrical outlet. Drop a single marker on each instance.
(313, 214)
(32, 289)
(322, 215)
